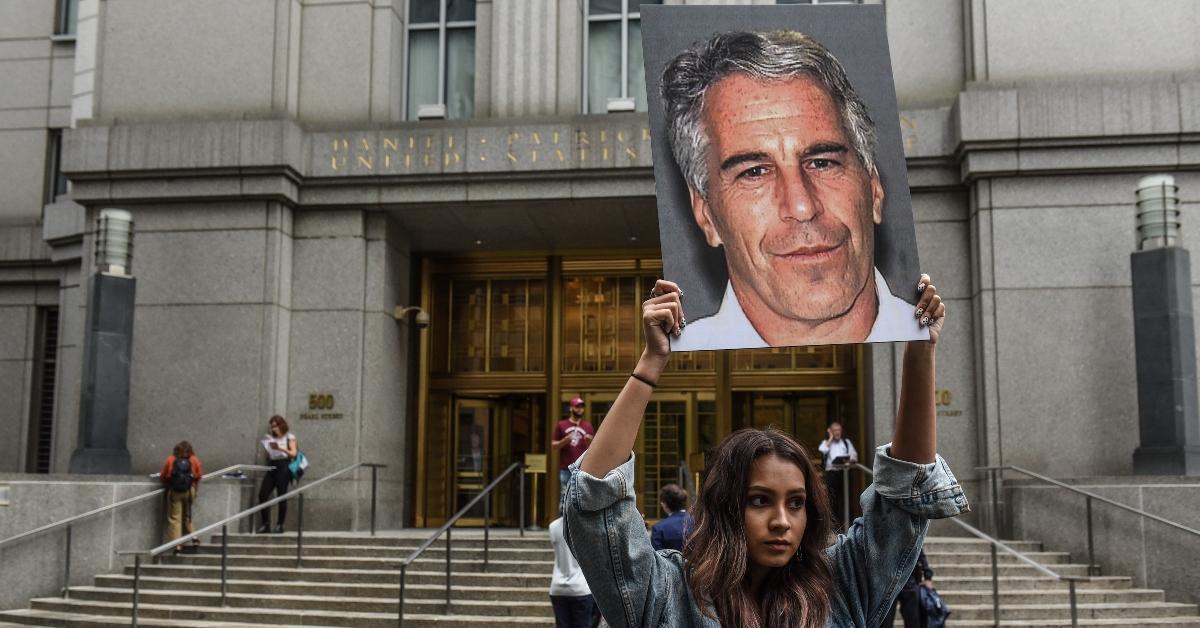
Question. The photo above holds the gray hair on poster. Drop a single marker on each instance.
(768, 56)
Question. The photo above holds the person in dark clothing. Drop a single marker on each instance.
(910, 596)
(281, 449)
(572, 437)
(672, 530)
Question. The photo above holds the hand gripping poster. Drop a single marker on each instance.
(783, 202)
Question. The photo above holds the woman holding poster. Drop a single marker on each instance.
(761, 553)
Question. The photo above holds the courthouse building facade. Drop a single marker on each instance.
(287, 198)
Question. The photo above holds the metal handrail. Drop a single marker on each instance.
(449, 541)
(996, 477)
(70, 521)
(998, 544)
(224, 526)
(125, 502)
(1090, 496)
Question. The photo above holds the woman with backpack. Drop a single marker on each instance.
(281, 449)
(181, 475)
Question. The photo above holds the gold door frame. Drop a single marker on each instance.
(694, 386)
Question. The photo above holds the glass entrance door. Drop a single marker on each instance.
(473, 452)
(490, 433)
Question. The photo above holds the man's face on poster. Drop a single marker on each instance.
(787, 197)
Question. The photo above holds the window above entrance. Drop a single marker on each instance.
(613, 67)
(495, 326)
(602, 325)
(441, 57)
(494, 317)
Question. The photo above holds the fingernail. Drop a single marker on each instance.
(920, 287)
(920, 310)
(924, 321)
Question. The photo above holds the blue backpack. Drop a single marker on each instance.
(935, 610)
(298, 465)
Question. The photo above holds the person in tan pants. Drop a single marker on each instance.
(181, 475)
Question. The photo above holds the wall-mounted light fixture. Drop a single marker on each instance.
(401, 314)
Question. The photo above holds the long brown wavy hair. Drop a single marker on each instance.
(716, 553)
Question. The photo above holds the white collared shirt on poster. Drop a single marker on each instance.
(834, 449)
(730, 329)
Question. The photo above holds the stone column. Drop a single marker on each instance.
(104, 411)
(1164, 333)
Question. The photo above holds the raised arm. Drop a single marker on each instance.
(632, 584)
(614, 440)
(911, 485)
(915, 439)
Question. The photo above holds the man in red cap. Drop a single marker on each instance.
(571, 438)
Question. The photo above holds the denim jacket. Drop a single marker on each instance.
(635, 586)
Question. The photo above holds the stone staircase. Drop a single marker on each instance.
(345, 580)
(963, 576)
(350, 580)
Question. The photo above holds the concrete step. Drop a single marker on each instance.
(937, 559)
(1039, 612)
(330, 588)
(1149, 622)
(288, 561)
(377, 576)
(387, 592)
(471, 539)
(312, 602)
(956, 597)
(972, 544)
(944, 571)
(545, 555)
(976, 578)
(274, 617)
(1012, 583)
(541, 554)
(30, 617)
(979, 565)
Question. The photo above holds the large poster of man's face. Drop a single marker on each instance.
(783, 202)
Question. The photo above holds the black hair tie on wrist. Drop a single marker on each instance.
(643, 380)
